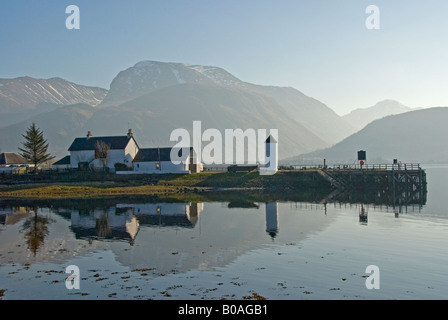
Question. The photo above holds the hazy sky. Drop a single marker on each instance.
(321, 48)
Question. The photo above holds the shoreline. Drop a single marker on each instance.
(113, 185)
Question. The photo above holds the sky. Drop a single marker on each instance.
(321, 47)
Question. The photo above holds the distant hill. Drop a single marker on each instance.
(59, 128)
(154, 98)
(416, 136)
(25, 97)
(359, 118)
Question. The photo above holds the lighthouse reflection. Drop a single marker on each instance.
(271, 210)
(272, 219)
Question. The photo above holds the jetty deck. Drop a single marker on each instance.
(402, 182)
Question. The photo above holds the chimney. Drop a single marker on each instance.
(89, 134)
(130, 134)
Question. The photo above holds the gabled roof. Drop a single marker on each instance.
(158, 154)
(271, 139)
(12, 158)
(63, 161)
(115, 143)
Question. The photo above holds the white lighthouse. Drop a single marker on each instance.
(271, 157)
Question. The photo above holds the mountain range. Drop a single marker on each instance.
(25, 97)
(153, 98)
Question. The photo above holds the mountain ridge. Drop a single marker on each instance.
(149, 76)
(360, 117)
(391, 137)
(24, 97)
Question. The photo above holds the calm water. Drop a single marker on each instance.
(214, 250)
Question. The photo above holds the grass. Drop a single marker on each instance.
(164, 185)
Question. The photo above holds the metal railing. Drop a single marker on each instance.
(385, 166)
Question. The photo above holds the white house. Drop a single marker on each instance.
(13, 163)
(85, 153)
(158, 160)
(13, 159)
(62, 164)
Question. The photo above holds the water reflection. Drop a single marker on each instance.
(168, 234)
(363, 215)
(272, 219)
(184, 215)
(35, 230)
(123, 221)
(34, 227)
(104, 224)
(13, 214)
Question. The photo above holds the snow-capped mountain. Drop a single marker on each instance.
(148, 76)
(27, 92)
(23, 97)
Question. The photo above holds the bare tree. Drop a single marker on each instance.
(102, 152)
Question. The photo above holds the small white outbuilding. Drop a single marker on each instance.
(158, 160)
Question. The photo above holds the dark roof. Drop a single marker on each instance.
(161, 220)
(158, 154)
(65, 160)
(116, 143)
(12, 158)
(271, 139)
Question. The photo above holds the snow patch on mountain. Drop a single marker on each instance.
(25, 93)
(147, 76)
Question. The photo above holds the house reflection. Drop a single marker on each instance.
(123, 221)
(104, 224)
(12, 215)
(184, 215)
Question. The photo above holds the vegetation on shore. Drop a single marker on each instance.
(281, 182)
